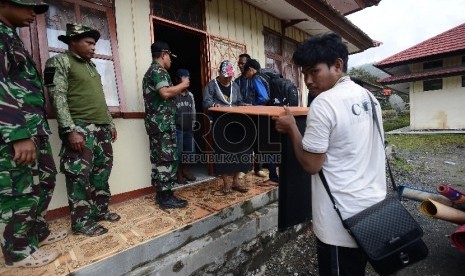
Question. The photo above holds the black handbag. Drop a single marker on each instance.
(386, 231)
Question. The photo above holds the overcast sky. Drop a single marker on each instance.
(401, 24)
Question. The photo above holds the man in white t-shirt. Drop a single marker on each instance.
(342, 140)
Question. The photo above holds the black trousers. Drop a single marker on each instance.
(340, 261)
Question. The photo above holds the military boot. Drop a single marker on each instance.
(167, 200)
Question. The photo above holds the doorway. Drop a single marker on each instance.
(188, 46)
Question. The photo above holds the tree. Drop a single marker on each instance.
(363, 75)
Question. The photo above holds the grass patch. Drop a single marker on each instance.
(427, 142)
(401, 163)
(391, 122)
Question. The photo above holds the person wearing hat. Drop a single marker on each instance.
(86, 129)
(27, 169)
(160, 123)
(222, 91)
(185, 118)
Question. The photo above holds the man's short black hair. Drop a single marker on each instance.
(247, 56)
(252, 63)
(325, 48)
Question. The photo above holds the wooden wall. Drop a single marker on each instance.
(239, 21)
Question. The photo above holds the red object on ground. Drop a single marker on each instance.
(458, 238)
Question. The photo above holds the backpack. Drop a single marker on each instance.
(282, 91)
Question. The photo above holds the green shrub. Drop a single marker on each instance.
(391, 122)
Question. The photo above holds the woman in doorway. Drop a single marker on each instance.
(222, 91)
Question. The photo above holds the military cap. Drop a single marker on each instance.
(38, 6)
(78, 31)
(161, 46)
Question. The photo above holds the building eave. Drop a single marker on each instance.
(316, 17)
(441, 73)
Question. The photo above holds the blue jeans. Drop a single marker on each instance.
(185, 142)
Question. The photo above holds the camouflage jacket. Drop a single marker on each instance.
(159, 113)
(22, 104)
(57, 81)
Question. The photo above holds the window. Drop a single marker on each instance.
(432, 64)
(97, 16)
(463, 81)
(278, 53)
(463, 60)
(429, 85)
(187, 12)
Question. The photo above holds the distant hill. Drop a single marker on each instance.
(372, 70)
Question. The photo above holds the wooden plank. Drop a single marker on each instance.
(239, 19)
(266, 20)
(231, 19)
(253, 29)
(260, 39)
(273, 111)
(223, 18)
(214, 26)
(246, 25)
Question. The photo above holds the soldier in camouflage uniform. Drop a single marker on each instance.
(27, 169)
(86, 129)
(160, 112)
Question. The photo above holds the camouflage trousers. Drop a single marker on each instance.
(25, 193)
(87, 174)
(164, 159)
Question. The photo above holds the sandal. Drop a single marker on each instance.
(39, 258)
(91, 230)
(111, 217)
(268, 182)
(239, 188)
(226, 191)
(54, 237)
(181, 180)
(189, 177)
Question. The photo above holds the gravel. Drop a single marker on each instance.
(427, 170)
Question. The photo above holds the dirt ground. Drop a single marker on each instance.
(426, 171)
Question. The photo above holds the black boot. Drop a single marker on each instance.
(166, 200)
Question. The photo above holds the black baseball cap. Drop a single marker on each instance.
(161, 46)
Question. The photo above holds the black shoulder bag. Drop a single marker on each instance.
(386, 231)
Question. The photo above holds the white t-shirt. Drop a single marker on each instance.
(340, 124)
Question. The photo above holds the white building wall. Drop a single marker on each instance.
(131, 169)
(440, 109)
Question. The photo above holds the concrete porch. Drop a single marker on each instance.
(151, 241)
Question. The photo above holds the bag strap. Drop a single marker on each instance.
(375, 118)
(323, 178)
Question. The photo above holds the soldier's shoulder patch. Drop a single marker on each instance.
(49, 75)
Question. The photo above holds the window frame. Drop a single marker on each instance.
(282, 59)
(435, 64)
(433, 84)
(44, 50)
(463, 81)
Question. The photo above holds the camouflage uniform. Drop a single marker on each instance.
(160, 123)
(86, 173)
(25, 190)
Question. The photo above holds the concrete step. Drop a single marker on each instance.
(185, 250)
